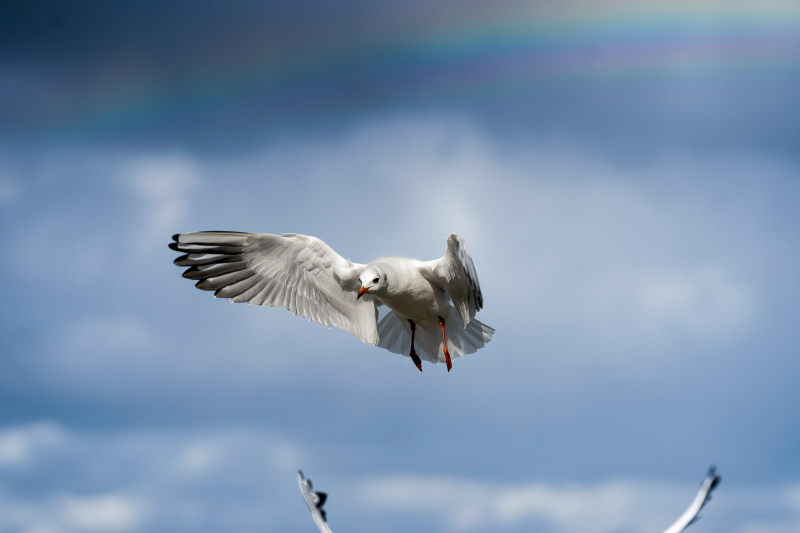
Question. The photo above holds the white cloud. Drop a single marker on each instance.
(617, 505)
(14, 448)
(70, 513)
(137, 480)
(468, 505)
(107, 512)
(784, 508)
(19, 445)
(701, 300)
(164, 184)
(197, 458)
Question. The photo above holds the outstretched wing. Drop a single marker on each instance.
(703, 495)
(455, 273)
(297, 272)
(315, 501)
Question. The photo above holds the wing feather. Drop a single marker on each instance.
(297, 272)
(205, 259)
(225, 280)
(703, 496)
(250, 293)
(216, 269)
(237, 287)
(455, 273)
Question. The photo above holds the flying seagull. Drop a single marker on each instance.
(305, 276)
(315, 501)
(691, 514)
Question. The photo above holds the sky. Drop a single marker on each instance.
(625, 175)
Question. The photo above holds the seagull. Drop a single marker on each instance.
(433, 303)
(691, 515)
(315, 501)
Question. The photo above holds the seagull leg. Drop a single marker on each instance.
(414, 356)
(444, 341)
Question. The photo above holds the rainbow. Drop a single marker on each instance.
(514, 48)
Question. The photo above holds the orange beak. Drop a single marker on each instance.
(361, 292)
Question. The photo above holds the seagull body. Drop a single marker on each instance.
(413, 297)
(304, 275)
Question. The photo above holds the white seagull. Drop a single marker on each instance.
(691, 514)
(304, 275)
(315, 501)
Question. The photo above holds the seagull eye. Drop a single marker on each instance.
(359, 280)
(376, 280)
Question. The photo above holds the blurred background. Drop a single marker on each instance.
(626, 176)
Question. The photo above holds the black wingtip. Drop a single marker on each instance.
(715, 479)
(188, 273)
(200, 286)
(176, 237)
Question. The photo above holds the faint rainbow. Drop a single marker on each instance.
(518, 48)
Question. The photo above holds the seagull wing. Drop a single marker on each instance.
(314, 500)
(455, 273)
(297, 272)
(703, 495)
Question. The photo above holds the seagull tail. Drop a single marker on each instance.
(395, 336)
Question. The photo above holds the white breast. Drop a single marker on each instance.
(412, 296)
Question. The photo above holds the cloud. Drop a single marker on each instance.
(108, 512)
(71, 513)
(20, 445)
(470, 505)
(163, 183)
(568, 245)
(703, 300)
(616, 505)
(197, 458)
(782, 510)
(147, 480)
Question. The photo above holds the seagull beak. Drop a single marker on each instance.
(361, 292)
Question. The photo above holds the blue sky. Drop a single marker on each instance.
(625, 177)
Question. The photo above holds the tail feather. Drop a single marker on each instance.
(395, 336)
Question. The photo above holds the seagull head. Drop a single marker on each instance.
(372, 279)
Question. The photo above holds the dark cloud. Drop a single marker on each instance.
(222, 76)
